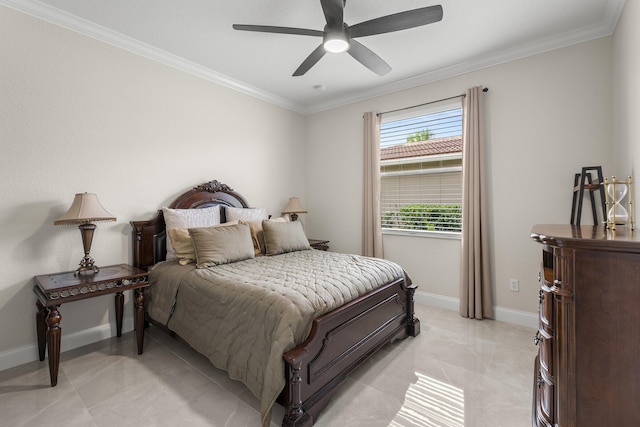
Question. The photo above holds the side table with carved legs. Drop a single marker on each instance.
(55, 289)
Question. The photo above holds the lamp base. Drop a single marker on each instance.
(86, 266)
(86, 263)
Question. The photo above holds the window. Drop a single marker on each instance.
(421, 170)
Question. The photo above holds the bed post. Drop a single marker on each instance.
(137, 244)
(294, 415)
(144, 235)
(413, 324)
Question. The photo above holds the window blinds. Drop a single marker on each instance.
(421, 171)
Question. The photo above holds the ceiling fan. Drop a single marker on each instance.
(339, 37)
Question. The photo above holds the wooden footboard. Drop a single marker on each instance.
(339, 342)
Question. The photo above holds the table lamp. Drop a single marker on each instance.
(85, 210)
(294, 207)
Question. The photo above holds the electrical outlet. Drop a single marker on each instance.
(514, 285)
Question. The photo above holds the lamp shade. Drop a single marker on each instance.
(294, 206)
(84, 209)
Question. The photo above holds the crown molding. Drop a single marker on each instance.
(106, 35)
(90, 29)
(569, 38)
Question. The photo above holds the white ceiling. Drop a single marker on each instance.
(196, 36)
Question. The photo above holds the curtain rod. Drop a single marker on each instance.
(486, 89)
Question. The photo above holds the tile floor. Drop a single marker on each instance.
(457, 372)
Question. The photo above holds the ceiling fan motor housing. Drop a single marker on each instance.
(336, 41)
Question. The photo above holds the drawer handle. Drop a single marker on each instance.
(537, 338)
(539, 380)
(562, 293)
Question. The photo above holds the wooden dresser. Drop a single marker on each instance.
(587, 372)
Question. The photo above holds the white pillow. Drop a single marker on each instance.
(189, 218)
(245, 214)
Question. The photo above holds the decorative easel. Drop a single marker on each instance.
(584, 181)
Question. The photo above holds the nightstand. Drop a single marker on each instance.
(55, 289)
(322, 245)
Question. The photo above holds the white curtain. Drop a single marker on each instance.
(371, 216)
(475, 279)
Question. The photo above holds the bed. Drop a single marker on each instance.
(308, 359)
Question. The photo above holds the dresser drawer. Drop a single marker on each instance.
(542, 399)
(545, 405)
(545, 352)
(545, 309)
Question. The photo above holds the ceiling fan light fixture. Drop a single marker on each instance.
(336, 42)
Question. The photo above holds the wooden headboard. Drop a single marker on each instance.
(149, 237)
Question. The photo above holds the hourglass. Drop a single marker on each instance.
(617, 214)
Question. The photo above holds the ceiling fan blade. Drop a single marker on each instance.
(397, 21)
(311, 60)
(333, 13)
(278, 30)
(366, 57)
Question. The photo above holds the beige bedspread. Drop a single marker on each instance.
(244, 316)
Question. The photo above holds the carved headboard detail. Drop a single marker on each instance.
(149, 237)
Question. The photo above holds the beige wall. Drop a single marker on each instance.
(547, 116)
(80, 115)
(625, 139)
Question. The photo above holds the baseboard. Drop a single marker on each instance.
(29, 353)
(517, 317)
(435, 300)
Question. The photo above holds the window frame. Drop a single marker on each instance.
(431, 109)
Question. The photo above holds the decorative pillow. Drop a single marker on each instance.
(221, 245)
(180, 241)
(279, 219)
(188, 218)
(183, 245)
(245, 214)
(257, 235)
(283, 237)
